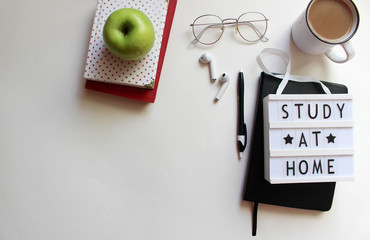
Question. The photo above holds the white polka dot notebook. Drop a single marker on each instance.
(103, 66)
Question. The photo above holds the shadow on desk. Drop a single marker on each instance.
(92, 98)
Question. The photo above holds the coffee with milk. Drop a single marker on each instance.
(330, 20)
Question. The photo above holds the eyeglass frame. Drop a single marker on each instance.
(236, 23)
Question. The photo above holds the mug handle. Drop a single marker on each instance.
(348, 49)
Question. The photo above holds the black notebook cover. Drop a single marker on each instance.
(313, 196)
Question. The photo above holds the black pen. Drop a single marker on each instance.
(242, 127)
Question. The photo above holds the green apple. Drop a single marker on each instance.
(129, 34)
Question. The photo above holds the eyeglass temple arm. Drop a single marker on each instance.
(204, 29)
(263, 38)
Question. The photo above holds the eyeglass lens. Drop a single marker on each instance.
(252, 26)
(208, 29)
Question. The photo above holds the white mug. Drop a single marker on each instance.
(325, 24)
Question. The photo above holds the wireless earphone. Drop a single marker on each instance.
(225, 79)
(207, 59)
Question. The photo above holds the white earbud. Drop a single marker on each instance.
(225, 79)
(207, 59)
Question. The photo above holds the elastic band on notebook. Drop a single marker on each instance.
(254, 220)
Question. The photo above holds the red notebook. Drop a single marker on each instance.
(142, 94)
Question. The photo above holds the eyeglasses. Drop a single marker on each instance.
(251, 26)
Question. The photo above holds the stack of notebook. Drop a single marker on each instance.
(139, 80)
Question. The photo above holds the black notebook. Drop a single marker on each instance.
(312, 196)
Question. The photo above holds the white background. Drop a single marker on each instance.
(77, 164)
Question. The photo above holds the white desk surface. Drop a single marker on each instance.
(78, 164)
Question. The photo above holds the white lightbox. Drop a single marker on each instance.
(308, 138)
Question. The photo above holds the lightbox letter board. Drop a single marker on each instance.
(308, 138)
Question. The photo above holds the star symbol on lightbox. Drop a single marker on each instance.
(288, 139)
(331, 138)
